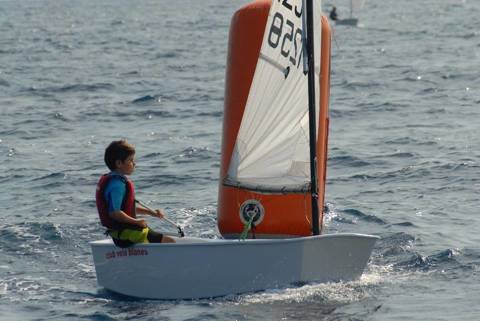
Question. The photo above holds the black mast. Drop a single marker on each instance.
(312, 117)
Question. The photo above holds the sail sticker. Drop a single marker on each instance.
(252, 208)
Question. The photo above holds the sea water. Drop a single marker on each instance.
(404, 153)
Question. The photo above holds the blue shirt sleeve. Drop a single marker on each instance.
(115, 193)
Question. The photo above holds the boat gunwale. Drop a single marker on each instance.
(223, 242)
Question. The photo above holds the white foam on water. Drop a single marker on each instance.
(87, 268)
(93, 301)
(3, 288)
(331, 292)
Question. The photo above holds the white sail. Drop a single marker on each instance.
(356, 5)
(271, 152)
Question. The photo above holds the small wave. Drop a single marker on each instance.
(330, 214)
(404, 224)
(399, 155)
(336, 113)
(117, 22)
(60, 116)
(436, 110)
(131, 73)
(364, 217)
(412, 171)
(4, 83)
(152, 155)
(348, 161)
(216, 114)
(359, 85)
(401, 141)
(26, 287)
(8, 51)
(430, 90)
(193, 154)
(79, 88)
(386, 106)
(454, 166)
(429, 125)
(148, 114)
(169, 54)
(331, 293)
(393, 248)
(26, 237)
(398, 253)
(146, 99)
(167, 179)
(469, 35)
(155, 113)
(438, 260)
(397, 241)
(342, 220)
(99, 316)
(3, 288)
(51, 179)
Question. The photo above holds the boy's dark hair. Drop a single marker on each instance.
(118, 150)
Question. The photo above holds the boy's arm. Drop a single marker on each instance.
(157, 213)
(122, 217)
(114, 194)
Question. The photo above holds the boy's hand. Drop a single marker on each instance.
(142, 223)
(158, 213)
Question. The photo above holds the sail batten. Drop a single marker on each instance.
(274, 63)
(272, 147)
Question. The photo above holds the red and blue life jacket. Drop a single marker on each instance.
(128, 204)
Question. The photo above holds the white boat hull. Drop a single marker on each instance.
(202, 268)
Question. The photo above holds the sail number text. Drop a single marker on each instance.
(285, 34)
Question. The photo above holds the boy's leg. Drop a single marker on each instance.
(127, 237)
(135, 236)
(155, 237)
(168, 239)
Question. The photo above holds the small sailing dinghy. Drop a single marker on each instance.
(352, 20)
(267, 212)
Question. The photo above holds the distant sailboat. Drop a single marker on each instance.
(352, 20)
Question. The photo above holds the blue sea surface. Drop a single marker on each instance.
(404, 153)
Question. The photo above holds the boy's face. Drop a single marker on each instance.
(127, 166)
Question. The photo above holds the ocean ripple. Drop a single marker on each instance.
(364, 217)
